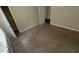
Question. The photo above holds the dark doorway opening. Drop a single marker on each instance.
(47, 21)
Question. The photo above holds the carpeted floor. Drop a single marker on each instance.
(47, 39)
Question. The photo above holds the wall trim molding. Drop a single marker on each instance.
(29, 28)
(65, 27)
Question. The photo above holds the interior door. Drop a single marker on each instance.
(4, 24)
(6, 34)
(42, 14)
(10, 19)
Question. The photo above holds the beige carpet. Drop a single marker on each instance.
(47, 39)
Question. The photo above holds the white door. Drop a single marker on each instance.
(6, 33)
(41, 12)
(5, 25)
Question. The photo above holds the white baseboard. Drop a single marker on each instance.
(28, 28)
(66, 27)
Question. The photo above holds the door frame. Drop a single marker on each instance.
(10, 19)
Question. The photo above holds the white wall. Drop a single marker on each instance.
(67, 17)
(42, 14)
(25, 16)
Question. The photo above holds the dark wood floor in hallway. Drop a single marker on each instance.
(46, 38)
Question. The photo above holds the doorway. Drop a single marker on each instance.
(48, 12)
(44, 14)
(10, 19)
